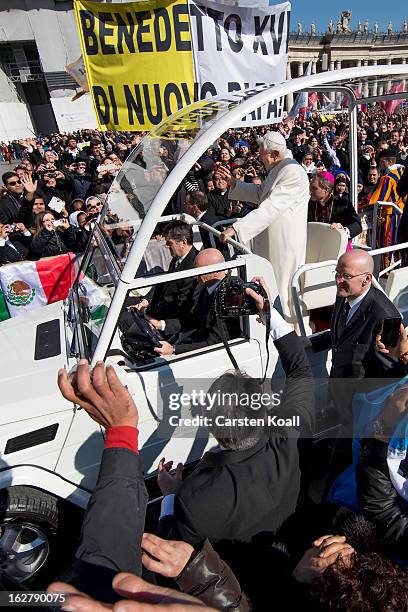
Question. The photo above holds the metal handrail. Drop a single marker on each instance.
(295, 286)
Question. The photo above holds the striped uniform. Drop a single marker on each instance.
(388, 217)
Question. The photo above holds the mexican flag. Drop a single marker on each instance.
(31, 284)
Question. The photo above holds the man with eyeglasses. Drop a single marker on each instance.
(13, 198)
(358, 315)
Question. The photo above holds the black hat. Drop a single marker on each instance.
(387, 153)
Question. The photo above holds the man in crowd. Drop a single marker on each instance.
(218, 197)
(16, 191)
(197, 205)
(279, 224)
(296, 145)
(14, 246)
(324, 208)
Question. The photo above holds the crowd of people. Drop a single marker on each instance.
(234, 533)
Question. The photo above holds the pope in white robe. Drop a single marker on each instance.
(278, 227)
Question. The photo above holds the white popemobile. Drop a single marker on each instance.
(50, 450)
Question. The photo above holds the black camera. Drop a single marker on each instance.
(231, 300)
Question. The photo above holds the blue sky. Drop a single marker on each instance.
(321, 11)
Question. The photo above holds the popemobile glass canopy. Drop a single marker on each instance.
(146, 183)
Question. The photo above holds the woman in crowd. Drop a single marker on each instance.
(51, 237)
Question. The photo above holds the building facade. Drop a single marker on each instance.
(38, 39)
(334, 51)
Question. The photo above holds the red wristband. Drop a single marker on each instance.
(122, 436)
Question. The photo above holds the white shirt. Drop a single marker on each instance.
(355, 304)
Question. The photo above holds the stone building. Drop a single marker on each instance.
(337, 49)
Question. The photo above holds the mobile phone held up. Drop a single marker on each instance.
(391, 331)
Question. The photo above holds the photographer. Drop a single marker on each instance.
(56, 185)
(200, 325)
(252, 485)
(51, 237)
(81, 180)
(14, 243)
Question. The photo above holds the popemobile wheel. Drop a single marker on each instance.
(30, 539)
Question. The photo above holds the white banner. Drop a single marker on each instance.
(236, 48)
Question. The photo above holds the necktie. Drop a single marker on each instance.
(342, 323)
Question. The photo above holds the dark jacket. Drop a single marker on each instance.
(81, 185)
(201, 326)
(378, 498)
(219, 203)
(342, 211)
(298, 151)
(113, 526)
(47, 243)
(232, 497)
(10, 206)
(354, 351)
(167, 300)
(210, 217)
(8, 254)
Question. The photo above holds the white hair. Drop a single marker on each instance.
(273, 141)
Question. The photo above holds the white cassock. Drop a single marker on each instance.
(278, 227)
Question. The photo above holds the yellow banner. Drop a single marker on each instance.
(139, 61)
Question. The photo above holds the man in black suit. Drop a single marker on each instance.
(200, 325)
(14, 246)
(198, 206)
(251, 486)
(165, 302)
(324, 208)
(358, 315)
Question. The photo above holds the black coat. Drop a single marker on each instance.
(219, 203)
(201, 326)
(113, 526)
(210, 217)
(10, 206)
(47, 243)
(231, 497)
(354, 351)
(378, 498)
(342, 212)
(298, 151)
(10, 255)
(167, 300)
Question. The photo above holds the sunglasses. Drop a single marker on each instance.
(12, 183)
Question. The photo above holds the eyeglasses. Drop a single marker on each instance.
(13, 183)
(348, 277)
